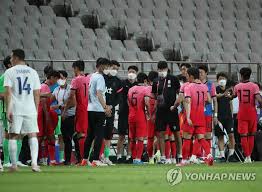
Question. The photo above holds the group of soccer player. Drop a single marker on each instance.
(173, 115)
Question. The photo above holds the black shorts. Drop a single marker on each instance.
(109, 126)
(167, 118)
(123, 123)
(96, 123)
(228, 126)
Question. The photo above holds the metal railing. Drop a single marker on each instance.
(230, 68)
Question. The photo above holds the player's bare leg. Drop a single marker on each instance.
(178, 141)
(231, 147)
(120, 146)
(173, 148)
(162, 146)
(221, 147)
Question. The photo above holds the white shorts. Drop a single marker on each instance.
(24, 124)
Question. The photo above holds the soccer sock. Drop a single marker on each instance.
(251, 139)
(231, 152)
(209, 142)
(33, 144)
(244, 144)
(139, 148)
(133, 148)
(107, 151)
(6, 151)
(186, 148)
(196, 147)
(222, 153)
(150, 143)
(167, 148)
(45, 147)
(61, 155)
(173, 148)
(19, 147)
(81, 142)
(51, 150)
(205, 145)
(12, 151)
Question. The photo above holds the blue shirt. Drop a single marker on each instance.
(97, 83)
(208, 108)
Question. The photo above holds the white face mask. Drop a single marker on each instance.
(162, 74)
(61, 82)
(106, 71)
(222, 82)
(181, 83)
(131, 76)
(113, 72)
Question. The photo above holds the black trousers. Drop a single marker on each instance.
(95, 133)
(67, 129)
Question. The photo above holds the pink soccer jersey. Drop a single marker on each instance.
(182, 88)
(198, 94)
(44, 88)
(246, 93)
(152, 100)
(81, 85)
(136, 101)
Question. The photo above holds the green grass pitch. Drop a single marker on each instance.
(126, 178)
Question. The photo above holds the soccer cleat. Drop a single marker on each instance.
(84, 162)
(97, 163)
(13, 168)
(1, 168)
(20, 164)
(129, 161)
(194, 161)
(182, 163)
(232, 158)
(173, 160)
(248, 160)
(157, 156)
(7, 165)
(168, 162)
(52, 163)
(108, 162)
(222, 159)
(209, 160)
(162, 161)
(138, 162)
(36, 168)
(151, 161)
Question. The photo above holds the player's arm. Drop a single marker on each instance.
(36, 98)
(45, 95)
(214, 99)
(188, 110)
(8, 102)
(178, 101)
(102, 101)
(70, 102)
(147, 106)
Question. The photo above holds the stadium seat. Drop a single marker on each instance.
(60, 33)
(47, 11)
(59, 43)
(29, 43)
(75, 22)
(131, 45)
(115, 55)
(45, 44)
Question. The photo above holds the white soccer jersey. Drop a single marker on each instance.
(23, 80)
